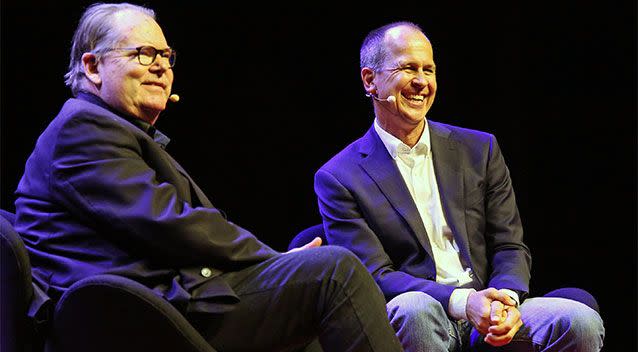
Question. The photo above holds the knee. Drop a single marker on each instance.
(339, 261)
(416, 308)
(327, 256)
(583, 325)
(336, 256)
(586, 324)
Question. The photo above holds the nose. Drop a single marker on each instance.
(420, 79)
(162, 63)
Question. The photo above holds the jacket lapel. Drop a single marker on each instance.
(378, 164)
(449, 177)
(198, 192)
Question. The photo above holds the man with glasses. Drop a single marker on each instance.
(100, 195)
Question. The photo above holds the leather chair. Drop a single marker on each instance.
(99, 313)
(17, 330)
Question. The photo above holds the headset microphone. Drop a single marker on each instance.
(173, 98)
(389, 99)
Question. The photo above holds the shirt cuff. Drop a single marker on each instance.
(458, 302)
(512, 294)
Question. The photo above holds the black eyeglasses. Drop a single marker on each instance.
(146, 54)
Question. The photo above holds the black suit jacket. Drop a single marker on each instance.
(99, 196)
(367, 208)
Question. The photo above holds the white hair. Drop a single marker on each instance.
(95, 34)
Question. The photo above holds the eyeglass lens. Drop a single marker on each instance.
(147, 55)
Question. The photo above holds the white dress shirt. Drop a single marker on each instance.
(417, 169)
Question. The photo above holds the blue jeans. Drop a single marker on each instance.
(549, 324)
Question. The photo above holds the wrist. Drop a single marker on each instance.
(458, 303)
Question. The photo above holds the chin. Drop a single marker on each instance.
(156, 104)
(416, 116)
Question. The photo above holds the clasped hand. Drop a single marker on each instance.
(494, 314)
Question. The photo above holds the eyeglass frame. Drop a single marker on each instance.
(172, 53)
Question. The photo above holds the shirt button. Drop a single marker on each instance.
(206, 272)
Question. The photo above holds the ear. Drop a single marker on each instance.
(367, 77)
(90, 63)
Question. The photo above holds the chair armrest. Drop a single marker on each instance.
(113, 313)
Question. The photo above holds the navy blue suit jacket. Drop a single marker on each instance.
(367, 208)
(100, 196)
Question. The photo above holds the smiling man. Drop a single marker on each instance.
(429, 208)
(100, 195)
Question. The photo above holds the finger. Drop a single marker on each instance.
(316, 242)
(503, 298)
(506, 299)
(496, 312)
(481, 326)
(478, 311)
(494, 294)
(500, 340)
(512, 318)
(482, 329)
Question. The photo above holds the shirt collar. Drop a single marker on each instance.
(395, 146)
(153, 132)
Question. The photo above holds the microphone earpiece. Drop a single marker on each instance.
(173, 98)
(390, 99)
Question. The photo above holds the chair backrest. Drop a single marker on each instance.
(307, 235)
(16, 290)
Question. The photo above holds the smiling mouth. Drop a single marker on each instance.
(415, 98)
(155, 84)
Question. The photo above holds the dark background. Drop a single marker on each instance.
(269, 93)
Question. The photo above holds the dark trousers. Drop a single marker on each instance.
(292, 299)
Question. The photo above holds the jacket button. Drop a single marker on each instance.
(206, 272)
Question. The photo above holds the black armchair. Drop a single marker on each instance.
(113, 313)
(100, 313)
(17, 331)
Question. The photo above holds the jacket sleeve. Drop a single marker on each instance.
(345, 225)
(510, 258)
(98, 172)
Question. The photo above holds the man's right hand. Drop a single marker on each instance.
(316, 242)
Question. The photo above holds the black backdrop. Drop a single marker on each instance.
(269, 93)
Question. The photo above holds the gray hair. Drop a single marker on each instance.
(95, 34)
(373, 53)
